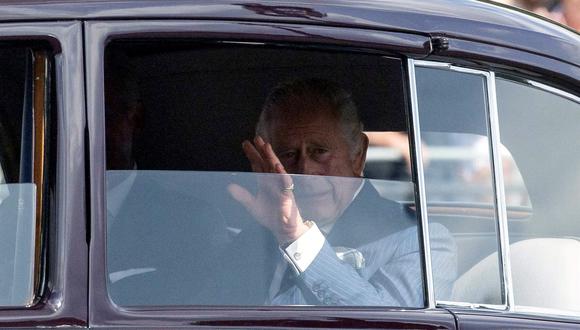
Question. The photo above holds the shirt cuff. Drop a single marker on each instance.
(304, 250)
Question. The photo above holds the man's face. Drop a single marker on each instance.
(313, 143)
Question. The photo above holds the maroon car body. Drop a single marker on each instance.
(74, 289)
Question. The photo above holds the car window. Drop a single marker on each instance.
(21, 121)
(539, 124)
(453, 112)
(197, 216)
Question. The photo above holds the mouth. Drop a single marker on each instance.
(313, 194)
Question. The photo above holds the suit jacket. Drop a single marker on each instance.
(160, 245)
(384, 232)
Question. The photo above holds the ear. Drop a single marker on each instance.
(361, 156)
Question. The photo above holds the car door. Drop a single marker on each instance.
(186, 94)
(44, 249)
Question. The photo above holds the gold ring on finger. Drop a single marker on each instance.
(290, 188)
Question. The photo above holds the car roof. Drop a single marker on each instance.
(471, 20)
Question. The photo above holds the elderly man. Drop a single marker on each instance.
(337, 242)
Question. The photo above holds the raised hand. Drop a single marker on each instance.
(274, 205)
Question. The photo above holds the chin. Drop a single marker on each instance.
(320, 214)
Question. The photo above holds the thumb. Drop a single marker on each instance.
(243, 196)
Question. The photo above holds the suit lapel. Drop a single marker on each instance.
(369, 218)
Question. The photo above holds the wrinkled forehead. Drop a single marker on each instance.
(301, 112)
(306, 125)
(314, 127)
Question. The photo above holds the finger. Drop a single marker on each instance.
(279, 168)
(272, 161)
(254, 156)
(262, 148)
(243, 196)
(259, 142)
(271, 158)
(267, 154)
(287, 182)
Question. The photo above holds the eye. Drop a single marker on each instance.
(287, 154)
(319, 153)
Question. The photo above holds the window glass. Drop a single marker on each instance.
(200, 212)
(540, 128)
(17, 241)
(17, 190)
(458, 176)
(389, 157)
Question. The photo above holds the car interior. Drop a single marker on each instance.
(13, 76)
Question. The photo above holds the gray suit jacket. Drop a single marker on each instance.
(386, 235)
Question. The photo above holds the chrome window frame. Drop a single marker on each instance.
(498, 184)
(424, 228)
(547, 88)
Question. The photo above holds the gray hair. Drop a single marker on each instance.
(313, 94)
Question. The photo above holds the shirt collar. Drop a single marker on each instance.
(328, 226)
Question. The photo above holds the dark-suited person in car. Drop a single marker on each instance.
(335, 240)
(160, 240)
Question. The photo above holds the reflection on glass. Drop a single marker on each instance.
(516, 194)
(388, 156)
(17, 241)
(458, 168)
(182, 238)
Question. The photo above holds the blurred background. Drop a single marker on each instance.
(566, 12)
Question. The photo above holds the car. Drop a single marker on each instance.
(122, 125)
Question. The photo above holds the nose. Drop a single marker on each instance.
(307, 165)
